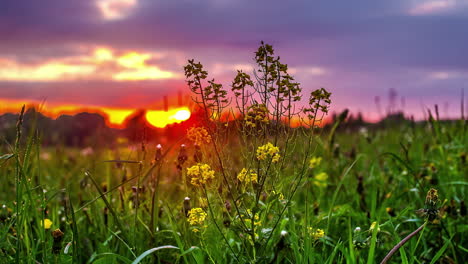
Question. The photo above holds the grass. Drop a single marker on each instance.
(105, 220)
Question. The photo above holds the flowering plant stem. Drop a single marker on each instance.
(401, 243)
(216, 224)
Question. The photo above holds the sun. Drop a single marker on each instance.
(162, 118)
(182, 115)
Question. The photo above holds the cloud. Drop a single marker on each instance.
(432, 7)
(103, 63)
(115, 9)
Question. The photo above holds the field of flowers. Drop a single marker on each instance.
(250, 189)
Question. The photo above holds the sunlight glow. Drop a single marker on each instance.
(103, 54)
(133, 60)
(162, 119)
(182, 115)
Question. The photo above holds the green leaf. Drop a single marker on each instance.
(6, 156)
(149, 251)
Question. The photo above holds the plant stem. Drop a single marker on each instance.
(402, 242)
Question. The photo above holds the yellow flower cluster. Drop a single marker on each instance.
(317, 233)
(248, 219)
(257, 113)
(200, 174)
(196, 217)
(247, 176)
(268, 150)
(321, 179)
(314, 162)
(198, 135)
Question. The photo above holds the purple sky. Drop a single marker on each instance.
(129, 53)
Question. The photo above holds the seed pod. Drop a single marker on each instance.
(158, 156)
(182, 157)
(226, 220)
(57, 234)
(106, 216)
(186, 206)
(227, 204)
(198, 155)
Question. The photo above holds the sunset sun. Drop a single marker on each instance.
(162, 118)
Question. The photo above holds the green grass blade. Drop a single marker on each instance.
(149, 251)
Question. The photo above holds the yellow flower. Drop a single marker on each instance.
(247, 176)
(200, 174)
(198, 135)
(321, 179)
(317, 233)
(268, 150)
(314, 162)
(248, 219)
(46, 223)
(373, 225)
(196, 217)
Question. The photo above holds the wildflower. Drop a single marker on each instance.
(46, 223)
(268, 150)
(373, 226)
(321, 179)
(319, 101)
(257, 114)
(196, 217)
(247, 176)
(200, 174)
(314, 162)
(317, 233)
(248, 219)
(198, 135)
(281, 197)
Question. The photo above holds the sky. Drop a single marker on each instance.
(127, 54)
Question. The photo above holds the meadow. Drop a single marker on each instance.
(247, 190)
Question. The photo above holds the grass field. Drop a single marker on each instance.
(353, 206)
(252, 190)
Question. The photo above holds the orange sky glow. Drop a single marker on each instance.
(115, 117)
